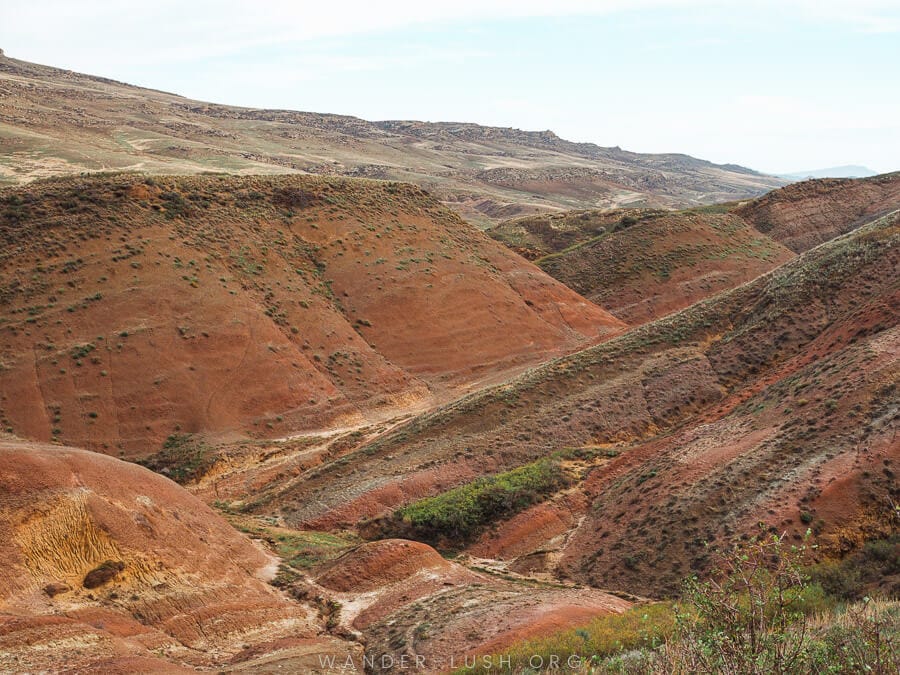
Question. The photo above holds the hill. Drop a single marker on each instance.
(111, 568)
(806, 214)
(136, 309)
(644, 264)
(773, 402)
(55, 122)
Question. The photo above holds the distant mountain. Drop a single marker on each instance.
(60, 122)
(848, 171)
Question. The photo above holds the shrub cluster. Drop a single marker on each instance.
(759, 613)
(462, 512)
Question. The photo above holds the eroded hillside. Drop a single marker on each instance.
(642, 264)
(111, 568)
(806, 214)
(774, 402)
(55, 121)
(664, 262)
(136, 309)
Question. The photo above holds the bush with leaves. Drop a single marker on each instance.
(750, 616)
(757, 614)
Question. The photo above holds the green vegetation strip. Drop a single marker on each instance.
(762, 612)
(462, 512)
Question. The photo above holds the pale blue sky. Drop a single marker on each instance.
(777, 86)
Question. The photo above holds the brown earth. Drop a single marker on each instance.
(738, 410)
(187, 592)
(55, 122)
(642, 264)
(806, 214)
(134, 309)
(406, 600)
(665, 262)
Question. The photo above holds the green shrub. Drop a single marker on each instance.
(757, 614)
(462, 512)
(183, 458)
(872, 570)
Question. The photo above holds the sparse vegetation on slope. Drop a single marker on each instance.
(135, 308)
(758, 613)
(89, 124)
(699, 411)
(642, 263)
(664, 263)
(806, 214)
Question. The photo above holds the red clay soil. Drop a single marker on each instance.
(406, 599)
(336, 511)
(806, 214)
(540, 622)
(665, 262)
(379, 578)
(187, 590)
(132, 309)
(701, 425)
(817, 448)
(531, 530)
(482, 619)
(379, 563)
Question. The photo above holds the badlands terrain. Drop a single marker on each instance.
(322, 423)
(55, 122)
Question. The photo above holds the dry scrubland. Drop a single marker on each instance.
(136, 308)
(287, 388)
(388, 434)
(56, 122)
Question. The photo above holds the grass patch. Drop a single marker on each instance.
(462, 512)
(307, 550)
(183, 458)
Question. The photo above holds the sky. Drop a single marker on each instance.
(778, 86)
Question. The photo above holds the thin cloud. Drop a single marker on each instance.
(173, 31)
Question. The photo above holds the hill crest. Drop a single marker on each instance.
(88, 123)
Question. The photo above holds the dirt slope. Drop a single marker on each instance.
(111, 568)
(642, 264)
(55, 122)
(774, 402)
(407, 600)
(132, 309)
(806, 214)
(665, 262)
